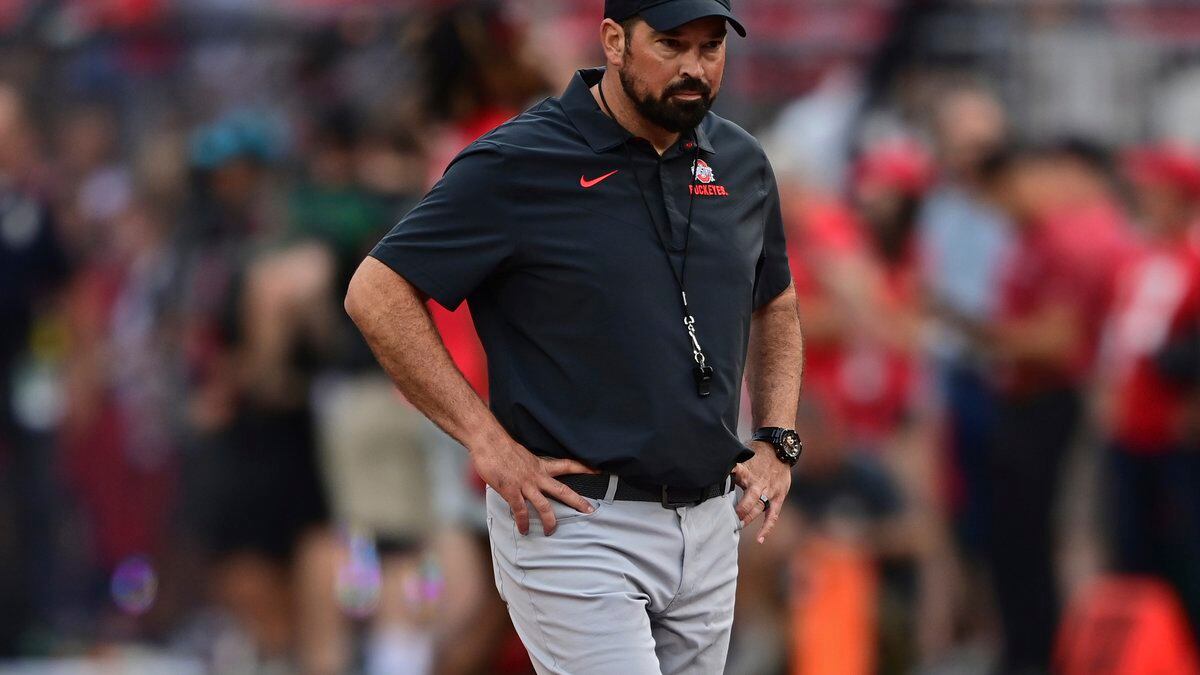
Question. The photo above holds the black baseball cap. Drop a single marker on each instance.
(665, 15)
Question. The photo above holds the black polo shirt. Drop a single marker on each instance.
(541, 226)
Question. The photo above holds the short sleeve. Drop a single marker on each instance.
(457, 236)
(773, 274)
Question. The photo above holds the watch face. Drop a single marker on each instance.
(791, 443)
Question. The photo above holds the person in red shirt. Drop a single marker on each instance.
(889, 181)
(1151, 407)
(1039, 343)
(855, 275)
(1092, 228)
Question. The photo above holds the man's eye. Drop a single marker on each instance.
(713, 45)
(669, 44)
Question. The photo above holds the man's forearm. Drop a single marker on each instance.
(391, 315)
(775, 362)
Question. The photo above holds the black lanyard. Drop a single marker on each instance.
(702, 373)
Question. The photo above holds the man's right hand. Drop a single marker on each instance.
(518, 476)
(392, 316)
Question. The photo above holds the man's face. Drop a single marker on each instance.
(673, 77)
(1027, 190)
(969, 126)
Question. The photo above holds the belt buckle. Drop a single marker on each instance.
(668, 503)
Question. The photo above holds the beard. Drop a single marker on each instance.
(673, 115)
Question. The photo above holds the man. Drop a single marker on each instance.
(1041, 340)
(962, 240)
(623, 253)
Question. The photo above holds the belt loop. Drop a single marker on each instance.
(612, 489)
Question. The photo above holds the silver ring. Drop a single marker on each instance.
(765, 502)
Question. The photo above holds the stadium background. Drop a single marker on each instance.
(200, 470)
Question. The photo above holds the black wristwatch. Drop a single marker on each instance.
(786, 442)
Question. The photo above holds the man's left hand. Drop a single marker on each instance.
(762, 475)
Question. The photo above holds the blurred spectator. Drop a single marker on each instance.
(856, 284)
(118, 437)
(962, 239)
(331, 205)
(880, 374)
(891, 180)
(253, 328)
(1150, 380)
(476, 73)
(1040, 341)
(32, 270)
(374, 448)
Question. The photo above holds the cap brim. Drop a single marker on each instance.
(671, 15)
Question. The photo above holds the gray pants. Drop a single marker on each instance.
(631, 588)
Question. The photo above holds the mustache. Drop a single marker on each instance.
(689, 85)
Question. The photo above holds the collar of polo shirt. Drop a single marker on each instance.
(601, 131)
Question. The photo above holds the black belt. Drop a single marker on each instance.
(595, 486)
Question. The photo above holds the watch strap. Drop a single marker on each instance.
(768, 434)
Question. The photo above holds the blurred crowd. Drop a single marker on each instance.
(200, 457)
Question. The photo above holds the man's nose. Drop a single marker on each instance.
(689, 65)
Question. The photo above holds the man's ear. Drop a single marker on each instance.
(612, 39)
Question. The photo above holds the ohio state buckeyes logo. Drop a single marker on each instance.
(702, 172)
